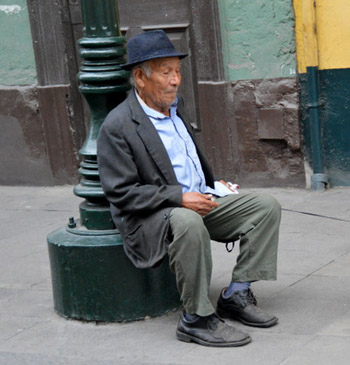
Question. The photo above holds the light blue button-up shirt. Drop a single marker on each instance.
(181, 149)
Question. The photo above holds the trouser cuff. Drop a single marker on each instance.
(254, 276)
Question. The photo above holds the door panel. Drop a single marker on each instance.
(153, 13)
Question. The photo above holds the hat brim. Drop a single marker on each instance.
(129, 66)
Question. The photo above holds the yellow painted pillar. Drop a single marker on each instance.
(306, 34)
(322, 33)
(308, 61)
(333, 29)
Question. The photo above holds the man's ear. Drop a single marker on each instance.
(139, 76)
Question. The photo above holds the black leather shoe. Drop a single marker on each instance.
(210, 331)
(242, 306)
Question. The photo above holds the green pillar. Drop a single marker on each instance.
(319, 179)
(92, 279)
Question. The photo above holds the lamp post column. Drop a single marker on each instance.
(104, 85)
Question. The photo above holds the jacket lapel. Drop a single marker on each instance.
(152, 141)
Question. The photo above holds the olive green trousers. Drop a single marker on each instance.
(254, 219)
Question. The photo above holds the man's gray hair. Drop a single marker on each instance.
(145, 66)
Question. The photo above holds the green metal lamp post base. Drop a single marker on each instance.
(93, 280)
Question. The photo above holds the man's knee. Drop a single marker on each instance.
(269, 204)
(184, 219)
(187, 224)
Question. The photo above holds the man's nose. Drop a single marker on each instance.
(175, 78)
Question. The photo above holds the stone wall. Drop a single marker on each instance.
(260, 97)
(251, 131)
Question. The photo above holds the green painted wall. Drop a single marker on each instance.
(258, 38)
(17, 63)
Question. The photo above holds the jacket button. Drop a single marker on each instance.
(166, 216)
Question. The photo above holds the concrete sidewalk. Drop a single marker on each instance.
(311, 296)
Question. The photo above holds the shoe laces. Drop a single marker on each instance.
(214, 321)
(251, 298)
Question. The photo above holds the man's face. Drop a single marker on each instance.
(159, 90)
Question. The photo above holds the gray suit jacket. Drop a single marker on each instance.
(139, 181)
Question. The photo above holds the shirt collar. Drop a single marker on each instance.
(154, 113)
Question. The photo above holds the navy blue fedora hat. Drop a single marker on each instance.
(148, 46)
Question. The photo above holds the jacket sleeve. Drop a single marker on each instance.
(121, 179)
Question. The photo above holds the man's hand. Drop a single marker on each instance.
(200, 203)
(230, 186)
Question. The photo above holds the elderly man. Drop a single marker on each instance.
(164, 199)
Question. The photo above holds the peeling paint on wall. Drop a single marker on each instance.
(258, 39)
(10, 9)
(17, 63)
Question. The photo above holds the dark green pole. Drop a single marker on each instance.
(104, 85)
(319, 179)
(92, 279)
